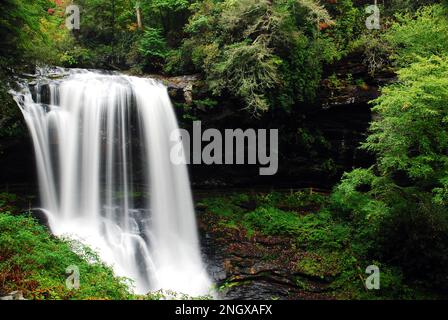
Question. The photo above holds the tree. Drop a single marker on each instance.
(20, 23)
(138, 13)
(401, 203)
(24, 42)
(256, 50)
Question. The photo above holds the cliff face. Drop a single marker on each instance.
(317, 142)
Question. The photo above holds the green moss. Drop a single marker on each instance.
(272, 221)
(321, 264)
(221, 206)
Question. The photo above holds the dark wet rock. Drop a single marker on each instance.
(180, 88)
(318, 141)
(248, 205)
(355, 85)
(210, 183)
(349, 95)
(257, 267)
(254, 290)
(41, 217)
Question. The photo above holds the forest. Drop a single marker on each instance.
(357, 89)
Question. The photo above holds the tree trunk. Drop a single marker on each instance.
(139, 16)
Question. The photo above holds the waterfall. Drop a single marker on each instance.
(102, 149)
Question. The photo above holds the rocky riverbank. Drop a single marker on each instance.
(289, 259)
(257, 267)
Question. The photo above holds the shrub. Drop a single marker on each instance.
(420, 34)
(416, 239)
(399, 206)
(273, 221)
(34, 262)
(264, 53)
(153, 47)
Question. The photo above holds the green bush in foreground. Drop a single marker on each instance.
(33, 261)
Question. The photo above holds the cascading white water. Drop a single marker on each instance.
(84, 127)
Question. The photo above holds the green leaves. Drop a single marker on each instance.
(259, 51)
(20, 23)
(422, 34)
(248, 70)
(152, 44)
(409, 138)
(411, 133)
(171, 5)
(400, 203)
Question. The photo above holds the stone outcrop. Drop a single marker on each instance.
(180, 88)
(15, 295)
(257, 267)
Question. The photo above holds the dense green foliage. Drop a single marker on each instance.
(400, 203)
(29, 35)
(19, 24)
(419, 35)
(33, 261)
(263, 54)
(331, 245)
(259, 51)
